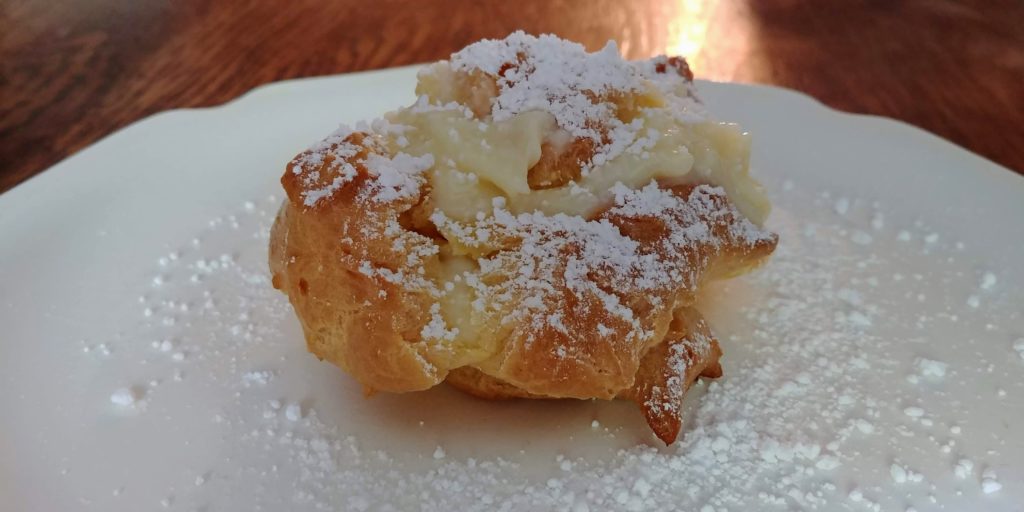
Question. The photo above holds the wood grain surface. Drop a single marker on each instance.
(73, 71)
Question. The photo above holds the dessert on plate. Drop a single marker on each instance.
(537, 225)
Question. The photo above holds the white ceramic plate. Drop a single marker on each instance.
(871, 365)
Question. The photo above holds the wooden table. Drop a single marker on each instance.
(72, 71)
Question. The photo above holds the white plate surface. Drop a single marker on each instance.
(870, 366)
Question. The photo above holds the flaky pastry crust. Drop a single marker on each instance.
(599, 305)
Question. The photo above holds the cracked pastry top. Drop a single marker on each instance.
(536, 224)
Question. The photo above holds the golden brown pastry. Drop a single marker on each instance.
(536, 225)
(666, 371)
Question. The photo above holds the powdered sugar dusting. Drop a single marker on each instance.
(595, 260)
(551, 74)
(329, 165)
(437, 329)
(129, 397)
(560, 77)
(399, 177)
(793, 424)
(330, 155)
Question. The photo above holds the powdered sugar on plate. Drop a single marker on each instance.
(815, 410)
(127, 398)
